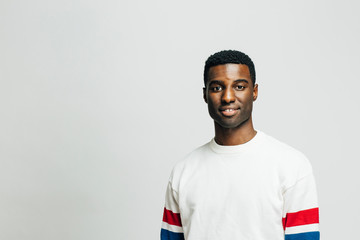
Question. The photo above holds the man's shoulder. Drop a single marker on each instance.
(281, 147)
(190, 162)
(286, 155)
(193, 156)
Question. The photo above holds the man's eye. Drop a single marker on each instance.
(239, 87)
(216, 89)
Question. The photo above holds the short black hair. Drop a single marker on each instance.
(229, 56)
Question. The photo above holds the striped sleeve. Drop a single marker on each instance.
(171, 228)
(301, 212)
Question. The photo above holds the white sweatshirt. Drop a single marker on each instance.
(260, 190)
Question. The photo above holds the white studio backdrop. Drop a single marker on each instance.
(99, 99)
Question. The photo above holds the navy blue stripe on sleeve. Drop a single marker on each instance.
(168, 235)
(303, 236)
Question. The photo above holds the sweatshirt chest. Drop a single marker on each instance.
(232, 181)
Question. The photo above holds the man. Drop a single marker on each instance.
(243, 184)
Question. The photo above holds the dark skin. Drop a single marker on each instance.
(230, 94)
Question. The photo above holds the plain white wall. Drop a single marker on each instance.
(99, 99)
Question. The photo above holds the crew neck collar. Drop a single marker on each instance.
(236, 148)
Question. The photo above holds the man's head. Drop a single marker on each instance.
(229, 56)
(230, 89)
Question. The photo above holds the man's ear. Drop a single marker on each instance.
(204, 94)
(255, 92)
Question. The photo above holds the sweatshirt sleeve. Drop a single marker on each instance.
(301, 212)
(171, 228)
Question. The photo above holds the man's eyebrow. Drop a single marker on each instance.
(241, 80)
(221, 82)
(215, 82)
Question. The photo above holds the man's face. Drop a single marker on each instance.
(230, 93)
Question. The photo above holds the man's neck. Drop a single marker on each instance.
(234, 136)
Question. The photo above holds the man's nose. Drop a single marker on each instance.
(228, 95)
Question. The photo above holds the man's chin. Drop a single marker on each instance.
(231, 123)
(228, 124)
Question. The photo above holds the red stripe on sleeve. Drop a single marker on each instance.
(304, 217)
(172, 218)
(284, 223)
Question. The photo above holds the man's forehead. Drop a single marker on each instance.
(229, 69)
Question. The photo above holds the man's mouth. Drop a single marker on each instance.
(229, 112)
